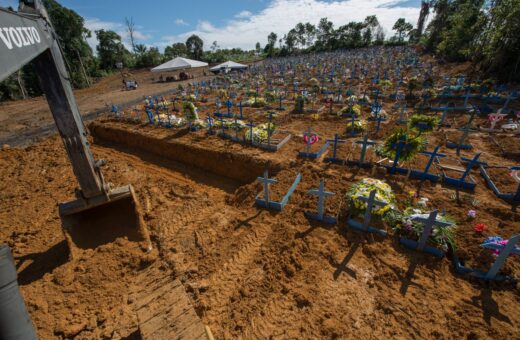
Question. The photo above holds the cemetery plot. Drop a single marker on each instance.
(315, 269)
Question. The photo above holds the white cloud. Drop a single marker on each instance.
(181, 22)
(243, 15)
(94, 24)
(282, 15)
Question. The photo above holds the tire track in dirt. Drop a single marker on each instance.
(225, 282)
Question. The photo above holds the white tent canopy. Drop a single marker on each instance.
(178, 64)
(228, 65)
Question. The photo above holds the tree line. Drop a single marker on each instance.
(483, 32)
(480, 31)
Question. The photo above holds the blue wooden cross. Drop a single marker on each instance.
(210, 124)
(266, 181)
(229, 105)
(365, 226)
(428, 224)
(461, 182)
(461, 145)
(353, 121)
(363, 99)
(151, 118)
(400, 146)
(251, 125)
(269, 119)
(376, 95)
(321, 193)
(424, 175)
(466, 98)
(280, 107)
(512, 95)
(401, 115)
(308, 134)
(115, 110)
(505, 250)
(237, 128)
(443, 117)
(221, 119)
(335, 142)
(379, 119)
(376, 108)
(218, 105)
(365, 142)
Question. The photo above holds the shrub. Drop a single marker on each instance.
(414, 144)
(428, 122)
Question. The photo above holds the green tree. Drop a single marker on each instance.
(147, 57)
(175, 50)
(310, 31)
(442, 9)
(110, 50)
(423, 14)
(325, 34)
(301, 37)
(501, 40)
(271, 41)
(459, 35)
(70, 27)
(402, 27)
(195, 47)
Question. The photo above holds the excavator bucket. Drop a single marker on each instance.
(102, 220)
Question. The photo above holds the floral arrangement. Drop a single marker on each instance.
(385, 83)
(351, 109)
(404, 225)
(428, 122)
(359, 126)
(363, 188)
(229, 124)
(315, 84)
(257, 102)
(198, 123)
(352, 99)
(172, 120)
(222, 94)
(260, 132)
(190, 110)
(270, 96)
(414, 143)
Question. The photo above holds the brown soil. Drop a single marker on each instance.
(250, 272)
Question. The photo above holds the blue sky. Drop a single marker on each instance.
(232, 23)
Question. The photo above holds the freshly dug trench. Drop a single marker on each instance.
(237, 166)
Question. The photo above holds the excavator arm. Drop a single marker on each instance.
(28, 35)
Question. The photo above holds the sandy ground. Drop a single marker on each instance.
(250, 273)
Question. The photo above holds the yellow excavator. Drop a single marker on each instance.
(99, 214)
